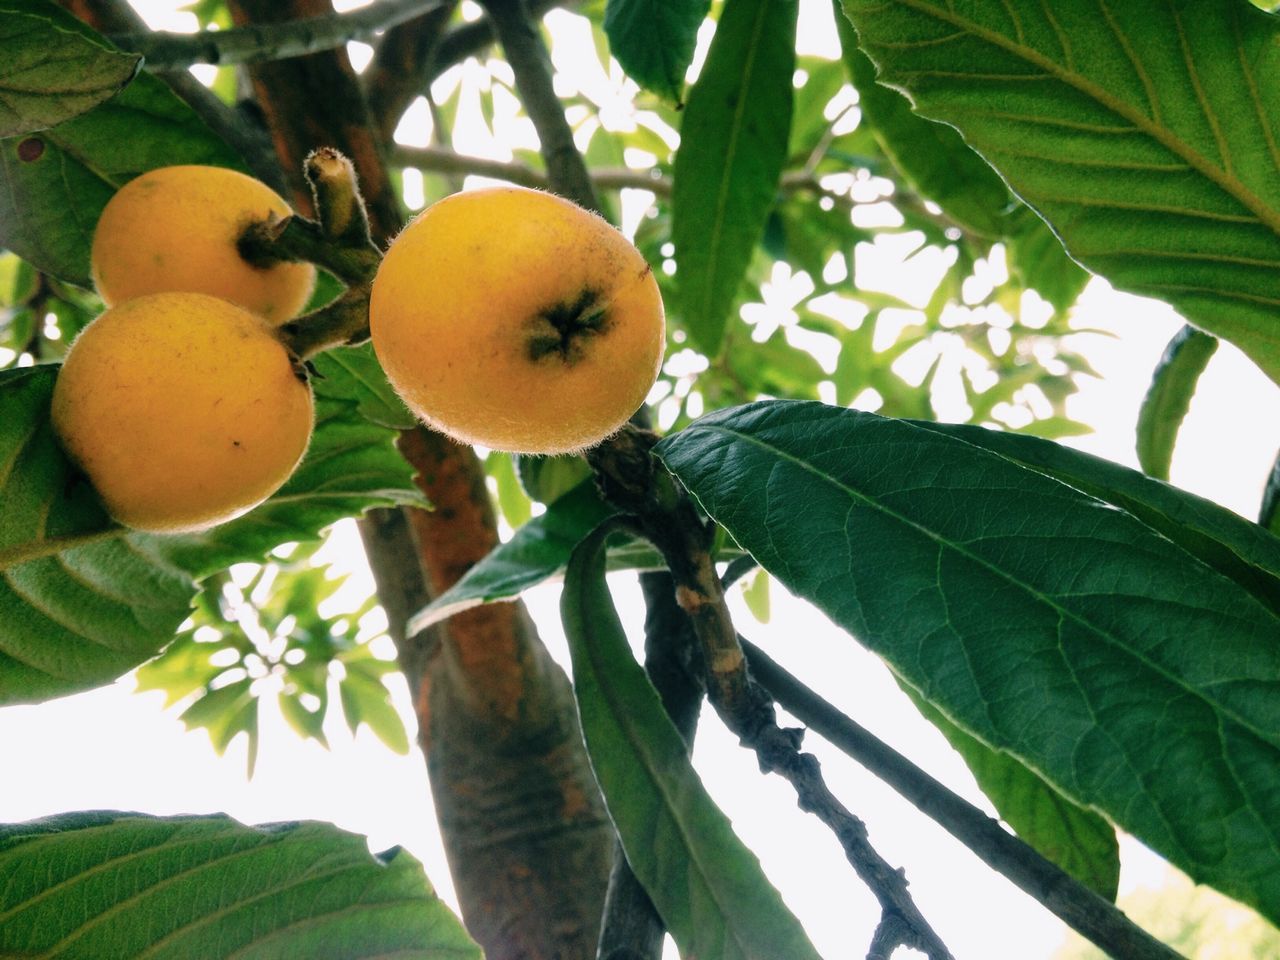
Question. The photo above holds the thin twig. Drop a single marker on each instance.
(631, 479)
(530, 62)
(1084, 911)
(257, 43)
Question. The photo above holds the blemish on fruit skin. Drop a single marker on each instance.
(560, 330)
(30, 150)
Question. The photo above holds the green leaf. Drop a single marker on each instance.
(547, 479)
(83, 600)
(365, 700)
(512, 500)
(353, 373)
(127, 886)
(732, 149)
(930, 156)
(80, 602)
(538, 551)
(1214, 535)
(1169, 398)
(654, 40)
(51, 197)
(1088, 664)
(50, 71)
(1038, 260)
(706, 885)
(1078, 840)
(756, 596)
(1142, 131)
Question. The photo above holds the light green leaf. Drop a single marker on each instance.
(706, 885)
(126, 886)
(756, 595)
(1086, 664)
(366, 701)
(1078, 840)
(654, 40)
(52, 70)
(51, 197)
(931, 156)
(1143, 131)
(1169, 398)
(732, 149)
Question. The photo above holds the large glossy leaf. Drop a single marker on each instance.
(128, 887)
(1133, 677)
(706, 885)
(1218, 537)
(1078, 840)
(1169, 398)
(82, 600)
(1143, 131)
(50, 71)
(654, 40)
(54, 184)
(732, 148)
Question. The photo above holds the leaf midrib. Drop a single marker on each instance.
(1229, 184)
(735, 133)
(1047, 600)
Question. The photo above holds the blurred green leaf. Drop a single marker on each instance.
(654, 40)
(733, 146)
(53, 68)
(1168, 399)
(365, 700)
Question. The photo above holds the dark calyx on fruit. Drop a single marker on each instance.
(562, 330)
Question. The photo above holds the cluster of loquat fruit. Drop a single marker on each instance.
(505, 317)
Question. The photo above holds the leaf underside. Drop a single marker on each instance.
(1142, 131)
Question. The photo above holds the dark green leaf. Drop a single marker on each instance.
(538, 551)
(51, 71)
(931, 156)
(1217, 537)
(732, 149)
(51, 197)
(1169, 398)
(1078, 840)
(1269, 511)
(1088, 664)
(353, 373)
(706, 885)
(654, 40)
(126, 886)
(1142, 131)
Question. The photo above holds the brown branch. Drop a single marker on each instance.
(632, 480)
(256, 43)
(530, 62)
(402, 62)
(1075, 904)
(528, 840)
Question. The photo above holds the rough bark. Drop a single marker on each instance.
(528, 841)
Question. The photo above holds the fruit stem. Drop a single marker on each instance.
(343, 322)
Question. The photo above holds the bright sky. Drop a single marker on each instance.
(110, 748)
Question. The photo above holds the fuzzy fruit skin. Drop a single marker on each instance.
(460, 319)
(184, 410)
(175, 228)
